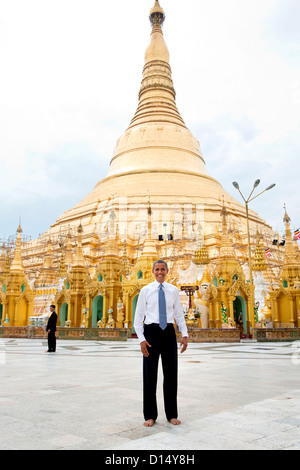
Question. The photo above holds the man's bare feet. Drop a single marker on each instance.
(175, 421)
(149, 422)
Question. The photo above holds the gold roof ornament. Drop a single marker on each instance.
(2, 260)
(62, 272)
(259, 257)
(79, 258)
(201, 255)
(157, 14)
(69, 250)
(206, 277)
(48, 274)
(286, 217)
(17, 264)
(226, 248)
(290, 255)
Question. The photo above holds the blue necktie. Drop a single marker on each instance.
(162, 308)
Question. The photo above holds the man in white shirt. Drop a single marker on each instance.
(157, 308)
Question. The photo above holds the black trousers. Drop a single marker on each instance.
(51, 341)
(164, 344)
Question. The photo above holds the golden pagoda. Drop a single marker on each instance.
(102, 250)
(157, 157)
(17, 296)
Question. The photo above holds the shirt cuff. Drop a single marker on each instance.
(141, 338)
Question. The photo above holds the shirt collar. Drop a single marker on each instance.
(157, 284)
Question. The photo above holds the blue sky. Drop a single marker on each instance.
(71, 72)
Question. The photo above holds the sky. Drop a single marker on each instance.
(69, 82)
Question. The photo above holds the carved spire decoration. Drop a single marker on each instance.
(17, 264)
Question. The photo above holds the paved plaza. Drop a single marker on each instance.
(88, 395)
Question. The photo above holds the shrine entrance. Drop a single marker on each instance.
(97, 310)
(240, 313)
(63, 314)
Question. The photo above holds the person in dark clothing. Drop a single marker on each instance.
(51, 329)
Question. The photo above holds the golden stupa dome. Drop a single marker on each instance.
(157, 156)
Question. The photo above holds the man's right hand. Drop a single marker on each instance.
(144, 348)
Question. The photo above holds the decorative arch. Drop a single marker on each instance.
(240, 312)
(97, 310)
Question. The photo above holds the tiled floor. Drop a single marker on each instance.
(88, 395)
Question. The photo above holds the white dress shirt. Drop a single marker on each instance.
(147, 308)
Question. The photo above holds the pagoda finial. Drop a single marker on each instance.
(286, 218)
(157, 14)
(17, 264)
(79, 258)
(19, 229)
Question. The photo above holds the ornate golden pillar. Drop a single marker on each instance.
(104, 316)
(292, 316)
(218, 314)
(231, 313)
(88, 308)
(275, 307)
(126, 303)
(211, 314)
(297, 310)
(3, 313)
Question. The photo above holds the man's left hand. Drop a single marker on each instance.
(183, 344)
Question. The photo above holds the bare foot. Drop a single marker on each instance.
(175, 421)
(149, 422)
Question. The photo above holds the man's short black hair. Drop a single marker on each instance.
(52, 306)
(160, 261)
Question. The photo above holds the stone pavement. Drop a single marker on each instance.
(88, 395)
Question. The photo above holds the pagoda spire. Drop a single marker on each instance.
(226, 249)
(157, 134)
(259, 256)
(17, 264)
(79, 258)
(48, 273)
(290, 255)
(149, 248)
(157, 93)
(2, 260)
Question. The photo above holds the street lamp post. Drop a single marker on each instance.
(246, 201)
